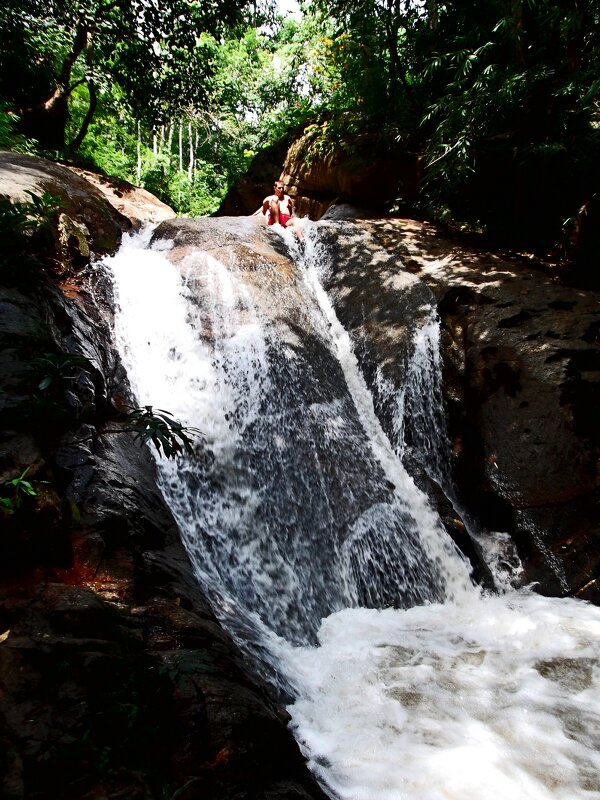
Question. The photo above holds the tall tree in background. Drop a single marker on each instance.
(373, 42)
(148, 47)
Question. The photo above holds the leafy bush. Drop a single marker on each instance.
(10, 139)
(57, 370)
(28, 231)
(19, 219)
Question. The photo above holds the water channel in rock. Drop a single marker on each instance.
(326, 562)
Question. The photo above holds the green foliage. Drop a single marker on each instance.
(25, 218)
(500, 98)
(512, 114)
(159, 428)
(258, 90)
(57, 370)
(14, 492)
(152, 51)
(10, 139)
(28, 234)
(110, 144)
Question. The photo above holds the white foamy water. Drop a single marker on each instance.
(163, 344)
(485, 698)
(257, 513)
(495, 699)
(436, 542)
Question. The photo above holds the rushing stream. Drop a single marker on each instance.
(327, 563)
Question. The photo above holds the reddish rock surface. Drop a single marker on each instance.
(131, 201)
(317, 180)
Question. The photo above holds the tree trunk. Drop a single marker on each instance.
(46, 122)
(181, 147)
(191, 147)
(76, 143)
(397, 70)
(139, 152)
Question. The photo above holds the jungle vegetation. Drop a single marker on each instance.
(500, 100)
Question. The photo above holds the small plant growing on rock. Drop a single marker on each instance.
(57, 369)
(28, 231)
(55, 372)
(160, 429)
(19, 219)
(16, 491)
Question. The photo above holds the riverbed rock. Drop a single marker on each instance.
(117, 681)
(521, 382)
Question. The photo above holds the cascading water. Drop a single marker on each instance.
(296, 509)
(296, 506)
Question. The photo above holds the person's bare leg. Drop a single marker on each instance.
(296, 227)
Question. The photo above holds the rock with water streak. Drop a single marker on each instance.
(323, 518)
(521, 381)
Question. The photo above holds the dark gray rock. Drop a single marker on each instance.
(117, 681)
(521, 382)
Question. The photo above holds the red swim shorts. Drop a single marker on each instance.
(283, 218)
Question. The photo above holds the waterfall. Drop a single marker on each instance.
(321, 555)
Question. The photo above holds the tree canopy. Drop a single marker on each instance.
(499, 100)
(152, 50)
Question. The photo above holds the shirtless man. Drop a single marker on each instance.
(279, 209)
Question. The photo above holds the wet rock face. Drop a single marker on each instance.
(303, 456)
(527, 431)
(116, 679)
(522, 382)
(520, 356)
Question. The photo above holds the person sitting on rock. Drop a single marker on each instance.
(279, 210)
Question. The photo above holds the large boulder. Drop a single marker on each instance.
(22, 174)
(318, 178)
(521, 381)
(133, 202)
(248, 192)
